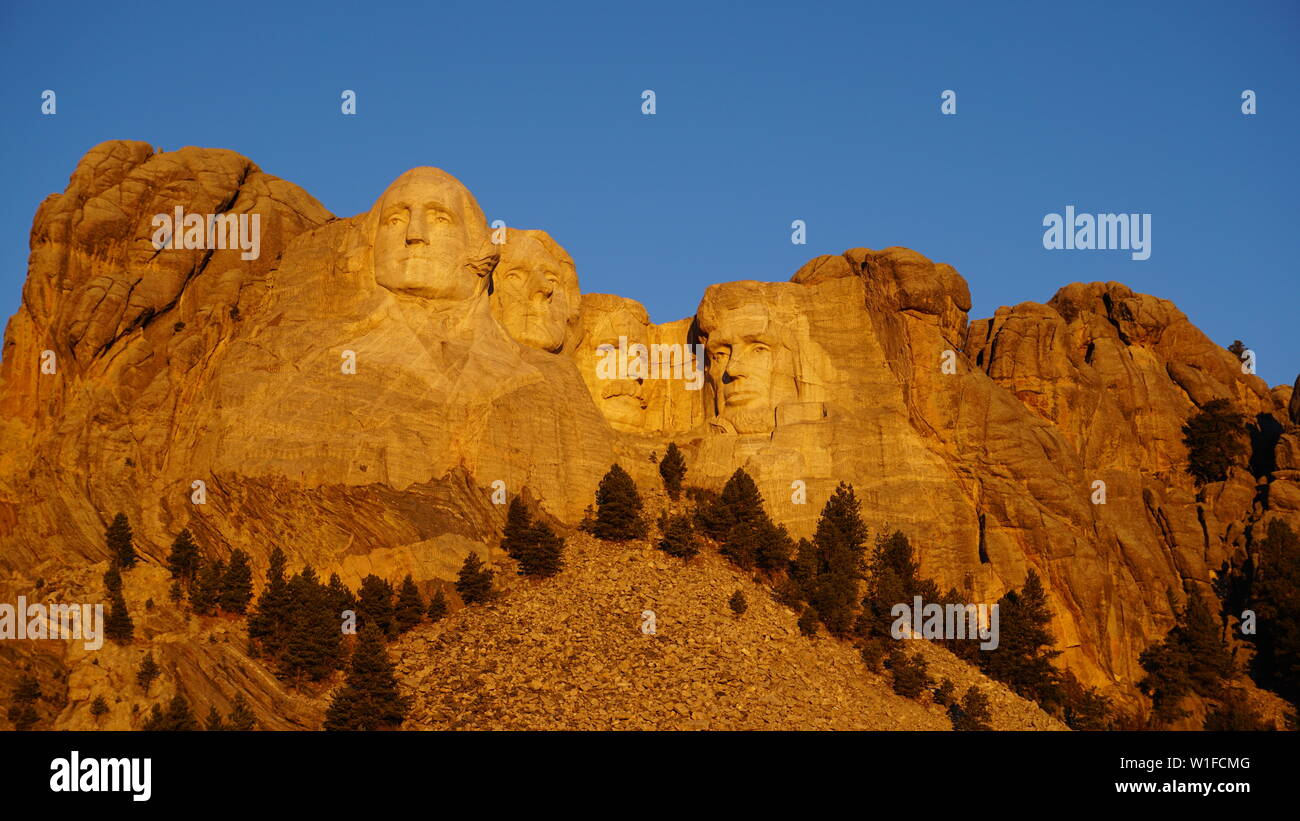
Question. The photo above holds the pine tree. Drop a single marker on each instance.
(1275, 597)
(808, 622)
(737, 603)
(120, 546)
(313, 643)
(410, 607)
(839, 540)
(474, 582)
(27, 691)
(1215, 437)
(1236, 715)
(740, 501)
(973, 713)
(214, 723)
(679, 537)
(113, 579)
(545, 556)
(673, 469)
(517, 535)
(268, 624)
(618, 508)
(907, 671)
(183, 561)
(118, 626)
(1192, 658)
(375, 604)
(369, 699)
(236, 588)
(206, 591)
(946, 694)
(176, 718)
(147, 672)
(241, 717)
(437, 606)
(98, 708)
(1022, 659)
(340, 597)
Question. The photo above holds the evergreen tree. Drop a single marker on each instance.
(206, 590)
(120, 546)
(873, 654)
(1237, 348)
(1192, 658)
(147, 672)
(737, 603)
(808, 622)
(1022, 659)
(839, 541)
(268, 624)
(908, 672)
(618, 508)
(973, 713)
(22, 712)
(241, 717)
(740, 501)
(1275, 597)
(213, 723)
(545, 556)
(183, 561)
(340, 597)
(1215, 437)
(98, 708)
(474, 582)
(437, 606)
(946, 694)
(673, 469)
(1236, 715)
(679, 537)
(893, 577)
(1083, 708)
(113, 579)
(517, 535)
(236, 588)
(369, 699)
(176, 718)
(375, 604)
(118, 626)
(313, 643)
(410, 607)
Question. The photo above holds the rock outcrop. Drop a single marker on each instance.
(364, 392)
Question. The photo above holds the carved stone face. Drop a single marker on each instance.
(742, 353)
(535, 290)
(429, 237)
(605, 319)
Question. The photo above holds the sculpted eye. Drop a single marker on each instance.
(397, 219)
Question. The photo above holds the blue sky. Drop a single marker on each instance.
(765, 114)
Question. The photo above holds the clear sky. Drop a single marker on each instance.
(765, 114)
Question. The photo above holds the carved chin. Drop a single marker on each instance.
(750, 420)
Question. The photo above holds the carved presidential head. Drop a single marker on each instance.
(535, 290)
(429, 238)
(758, 355)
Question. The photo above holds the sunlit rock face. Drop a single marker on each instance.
(356, 392)
(535, 290)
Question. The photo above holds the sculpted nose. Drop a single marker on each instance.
(417, 231)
